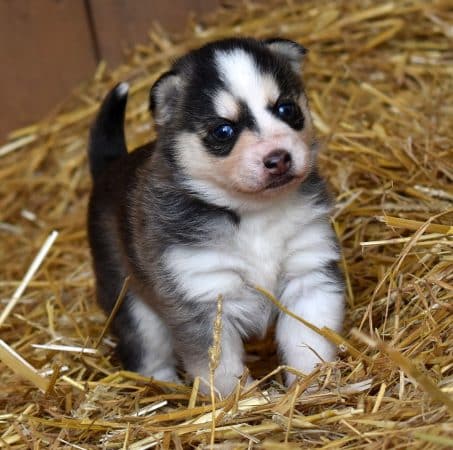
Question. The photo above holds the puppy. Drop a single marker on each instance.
(226, 199)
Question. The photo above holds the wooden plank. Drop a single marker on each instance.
(120, 24)
(46, 49)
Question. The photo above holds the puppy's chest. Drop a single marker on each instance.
(260, 245)
(252, 254)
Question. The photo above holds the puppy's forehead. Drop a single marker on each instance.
(244, 79)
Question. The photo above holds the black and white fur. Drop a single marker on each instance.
(190, 217)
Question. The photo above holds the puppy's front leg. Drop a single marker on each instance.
(195, 338)
(318, 298)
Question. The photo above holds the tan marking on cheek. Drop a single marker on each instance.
(232, 172)
(192, 156)
(240, 169)
(308, 132)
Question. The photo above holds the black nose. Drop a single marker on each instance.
(277, 162)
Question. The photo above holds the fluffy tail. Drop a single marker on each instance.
(107, 141)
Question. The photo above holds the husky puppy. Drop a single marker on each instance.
(226, 199)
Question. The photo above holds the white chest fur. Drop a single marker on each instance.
(261, 244)
(257, 253)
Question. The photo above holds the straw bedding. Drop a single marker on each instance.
(379, 76)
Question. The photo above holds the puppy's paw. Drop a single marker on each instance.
(167, 374)
(289, 378)
(224, 384)
(163, 373)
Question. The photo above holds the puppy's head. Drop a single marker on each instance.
(235, 119)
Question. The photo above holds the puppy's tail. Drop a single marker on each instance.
(107, 141)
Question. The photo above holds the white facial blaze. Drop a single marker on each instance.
(245, 82)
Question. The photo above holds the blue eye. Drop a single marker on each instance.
(223, 132)
(286, 111)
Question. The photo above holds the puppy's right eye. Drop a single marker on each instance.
(223, 133)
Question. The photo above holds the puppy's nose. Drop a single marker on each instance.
(277, 162)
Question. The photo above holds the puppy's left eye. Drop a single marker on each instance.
(223, 133)
(287, 111)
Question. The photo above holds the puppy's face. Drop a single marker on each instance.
(237, 117)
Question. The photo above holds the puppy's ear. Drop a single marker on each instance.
(291, 50)
(164, 96)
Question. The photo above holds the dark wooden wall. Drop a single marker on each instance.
(48, 46)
